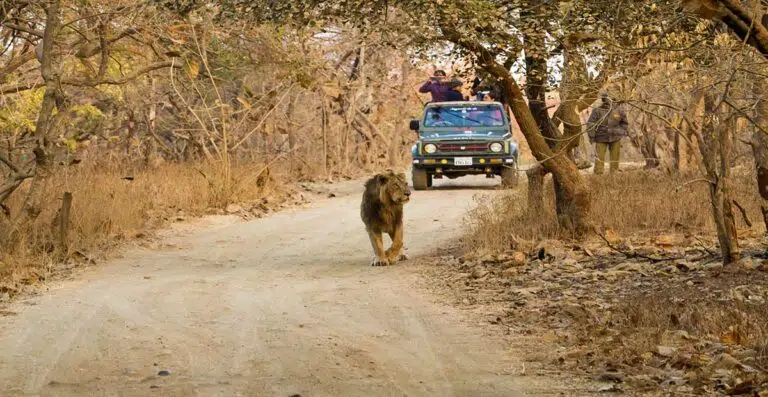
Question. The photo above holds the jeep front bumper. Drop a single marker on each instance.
(479, 163)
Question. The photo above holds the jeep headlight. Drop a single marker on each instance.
(496, 147)
(430, 148)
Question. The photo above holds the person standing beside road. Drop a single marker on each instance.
(606, 126)
(436, 86)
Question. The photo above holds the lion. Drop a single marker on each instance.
(382, 212)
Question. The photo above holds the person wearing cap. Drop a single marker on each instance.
(606, 126)
(454, 91)
(436, 86)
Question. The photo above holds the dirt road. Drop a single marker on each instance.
(283, 306)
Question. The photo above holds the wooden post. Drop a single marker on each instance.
(324, 121)
(64, 222)
(292, 133)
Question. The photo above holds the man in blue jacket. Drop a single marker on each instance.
(454, 93)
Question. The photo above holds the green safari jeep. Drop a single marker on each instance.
(463, 138)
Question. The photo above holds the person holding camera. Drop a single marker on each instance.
(436, 86)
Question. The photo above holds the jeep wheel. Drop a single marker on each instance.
(509, 176)
(420, 179)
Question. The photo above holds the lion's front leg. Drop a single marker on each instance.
(380, 258)
(394, 253)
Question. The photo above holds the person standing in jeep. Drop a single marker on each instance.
(436, 86)
(606, 126)
(454, 91)
(488, 89)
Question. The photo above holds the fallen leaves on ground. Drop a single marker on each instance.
(651, 314)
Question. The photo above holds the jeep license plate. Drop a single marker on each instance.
(462, 161)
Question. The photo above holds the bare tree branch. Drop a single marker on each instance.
(10, 165)
(25, 29)
(15, 63)
(92, 82)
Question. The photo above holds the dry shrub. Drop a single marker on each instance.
(628, 202)
(647, 320)
(113, 204)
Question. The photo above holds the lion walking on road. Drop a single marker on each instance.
(382, 212)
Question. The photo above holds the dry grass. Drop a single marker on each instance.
(114, 204)
(648, 320)
(619, 310)
(630, 202)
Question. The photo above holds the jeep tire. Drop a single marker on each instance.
(509, 177)
(420, 179)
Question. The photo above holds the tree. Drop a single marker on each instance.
(749, 22)
(72, 36)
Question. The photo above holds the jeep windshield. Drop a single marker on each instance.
(464, 116)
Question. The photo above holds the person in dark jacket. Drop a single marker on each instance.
(436, 86)
(606, 126)
(476, 90)
(454, 91)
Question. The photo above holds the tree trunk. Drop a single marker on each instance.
(394, 145)
(725, 222)
(536, 176)
(152, 157)
(715, 143)
(723, 201)
(678, 154)
(646, 142)
(324, 127)
(686, 151)
(760, 152)
(581, 152)
(292, 133)
(63, 224)
(45, 119)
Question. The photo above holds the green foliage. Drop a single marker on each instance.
(19, 115)
(87, 117)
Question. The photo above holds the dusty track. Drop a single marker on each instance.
(286, 305)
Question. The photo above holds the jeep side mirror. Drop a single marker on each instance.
(414, 125)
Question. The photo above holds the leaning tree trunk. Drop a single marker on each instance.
(535, 91)
(574, 188)
(572, 192)
(562, 144)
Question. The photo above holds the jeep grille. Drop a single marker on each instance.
(462, 147)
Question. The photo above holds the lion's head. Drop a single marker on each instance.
(393, 187)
